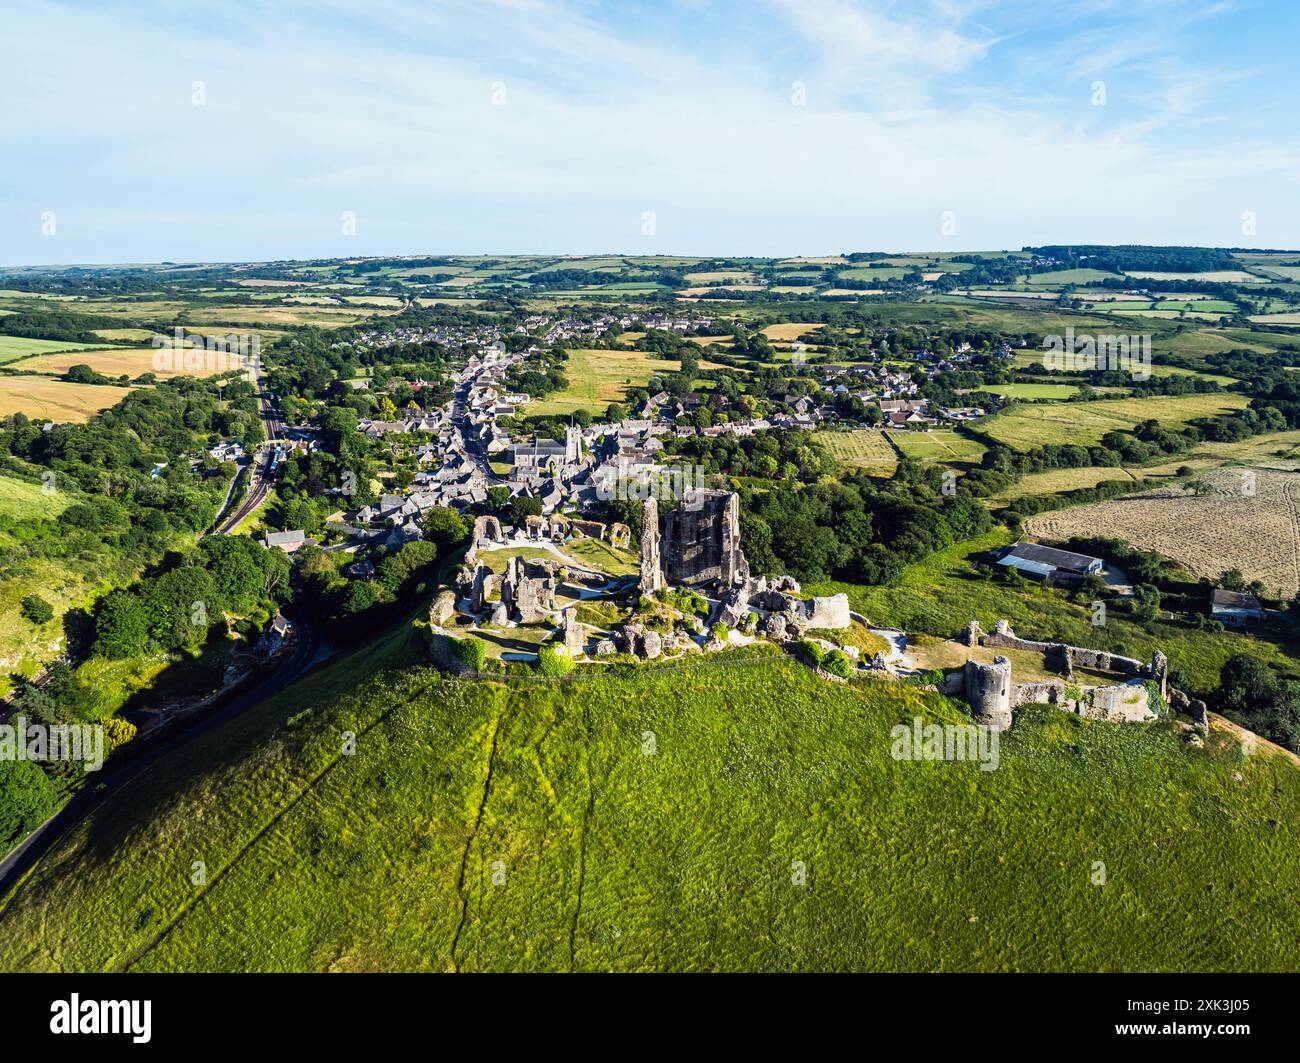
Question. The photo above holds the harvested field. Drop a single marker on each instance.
(1251, 525)
(47, 398)
(790, 330)
(131, 362)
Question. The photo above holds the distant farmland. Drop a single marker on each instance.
(127, 361)
(1084, 423)
(1256, 531)
(13, 348)
(599, 377)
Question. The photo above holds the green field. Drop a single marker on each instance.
(1031, 391)
(862, 448)
(481, 826)
(942, 594)
(23, 500)
(13, 348)
(599, 377)
(1084, 423)
(1072, 276)
(938, 444)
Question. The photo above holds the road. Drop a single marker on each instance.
(101, 788)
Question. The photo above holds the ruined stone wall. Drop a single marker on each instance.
(652, 577)
(1078, 656)
(444, 656)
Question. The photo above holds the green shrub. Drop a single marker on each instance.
(812, 651)
(551, 662)
(36, 609)
(471, 652)
(837, 663)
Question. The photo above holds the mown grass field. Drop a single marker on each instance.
(1031, 391)
(861, 448)
(938, 444)
(664, 819)
(1058, 480)
(1084, 423)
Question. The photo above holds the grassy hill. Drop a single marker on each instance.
(527, 827)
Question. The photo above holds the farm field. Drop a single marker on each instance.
(938, 444)
(129, 361)
(1031, 391)
(862, 448)
(1220, 276)
(599, 377)
(13, 348)
(791, 330)
(394, 858)
(1057, 480)
(871, 273)
(1084, 423)
(1258, 533)
(1071, 276)
(52, 399)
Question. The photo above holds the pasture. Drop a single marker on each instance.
(1217, 276)
(599, 377)
(1031, 391)
(14, 348)
(1084, 423)
(943, 445)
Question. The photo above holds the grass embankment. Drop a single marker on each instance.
(534, 826)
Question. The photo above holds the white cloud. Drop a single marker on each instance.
(388, 111)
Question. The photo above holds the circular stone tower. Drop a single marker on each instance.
(988, 689)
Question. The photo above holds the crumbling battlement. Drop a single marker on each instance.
(1127, 701)
(1073, 656)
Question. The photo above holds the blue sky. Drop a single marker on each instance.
(764, 127)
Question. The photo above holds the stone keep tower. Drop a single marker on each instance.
(652, 577)
(701, 541)
(988, 689)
